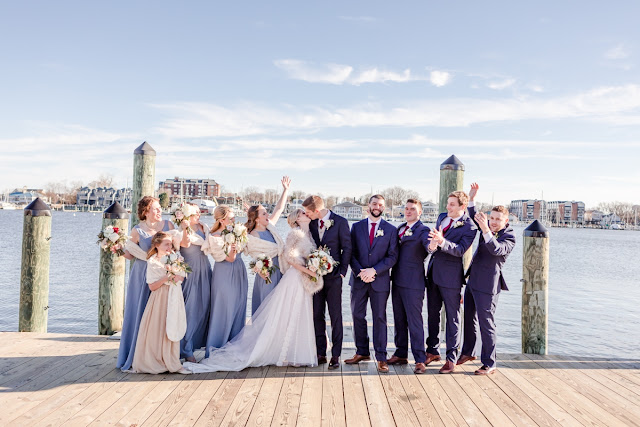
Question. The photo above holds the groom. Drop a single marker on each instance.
(331, 230)
(375, 251)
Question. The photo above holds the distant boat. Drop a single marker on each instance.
(616, 227)
(8, 206)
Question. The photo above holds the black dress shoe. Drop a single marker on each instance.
(322, 360)
(334, 363)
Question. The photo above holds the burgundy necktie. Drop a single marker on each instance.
(321, 223)
(372, 233)
(404, 231)
(447, 227)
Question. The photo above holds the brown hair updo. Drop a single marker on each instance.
(144, 205)
(252, 217)
(220, 213)
(155, 242)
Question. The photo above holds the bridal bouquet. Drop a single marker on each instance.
(234, 233)
(175, 265)
(182, 213)
(321, 262)
(112, 239)
(264, 265)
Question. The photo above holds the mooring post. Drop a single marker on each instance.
(144, 177)
(34, 275)
(112, 275)
(535, 289)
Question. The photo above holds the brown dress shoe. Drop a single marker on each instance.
(432, 358)
(421, 368)
(448, 367)
(322, 360)
(395, 360)
(334, 363)
(356, 359)
(465, 359)
(485, 370)
(383, 367)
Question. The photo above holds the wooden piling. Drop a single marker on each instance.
(535, 289)
(34, 275)
(144, 177)
(112, 275)
(452, 179)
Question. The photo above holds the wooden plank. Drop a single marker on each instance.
(608, 372)
(195, 406)
(265, 404)
(398, 399)
(377, 404)
(310, 412)
(150, 402)
(241, 406)
(217, 407)
(448, 411)
(169, 408)
(333, 413)
(355, 404)
(286, 412)
(422, 406)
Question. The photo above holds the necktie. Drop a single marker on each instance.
(447, 227)
(321, 223)
(372, 233)
(404, 231)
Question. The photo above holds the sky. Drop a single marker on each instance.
(537, 99)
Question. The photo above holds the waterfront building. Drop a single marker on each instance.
(295, 204)
(429, 212)
(179, 189)
(102, 197)
(349, 210)
(24, 196)
(529, 210)
(565, 212)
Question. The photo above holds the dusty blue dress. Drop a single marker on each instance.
(196, 290)
(229, 291)
(136, 300)
(260, 287)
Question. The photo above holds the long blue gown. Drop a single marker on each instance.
(260, 287)
(229, 291)
(196, 290)
(136, 300)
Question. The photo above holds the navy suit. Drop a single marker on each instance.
(338, 239)
(445, 277)
(381, 255)
(481, 295)
(407, 293)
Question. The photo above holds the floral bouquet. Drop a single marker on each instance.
(112, 239)
(175, 265)
(264, 265)
(321, 262)
(182, 213)
(234, 233)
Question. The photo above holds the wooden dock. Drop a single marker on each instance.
(71, 380)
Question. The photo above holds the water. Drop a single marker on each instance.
(593, 289)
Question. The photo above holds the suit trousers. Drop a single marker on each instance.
(330, 296)
(360, 295)
(407, 317)
(436, 296)
(479, 319)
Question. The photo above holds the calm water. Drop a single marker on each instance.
(594, 289)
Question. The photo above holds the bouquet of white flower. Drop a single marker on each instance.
(112, 239)
(183, 212)
(321, 262)
(175, 265)
(264, 265)
(234, 233)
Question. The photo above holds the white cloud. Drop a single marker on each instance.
(439, 78)
(328, 73)
(501, 84)
(374, 75)
(617, 52)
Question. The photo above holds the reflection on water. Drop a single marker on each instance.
(593, 288)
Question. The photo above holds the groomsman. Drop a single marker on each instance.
(485, 283)
(453, 235)
(407, 293)
(374, 245)
(331, 230)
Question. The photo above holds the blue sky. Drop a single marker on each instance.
(535, 99)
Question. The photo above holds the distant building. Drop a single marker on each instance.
(295, 204)
(103, 197)
(610, 219)
(24, 196)
(189, 188)
(564, 212)
(349, 210)
(528, 210)
(593, 216)
(429, 212)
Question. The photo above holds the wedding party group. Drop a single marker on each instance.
(177, 302)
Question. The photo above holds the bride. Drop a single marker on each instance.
(281, 331)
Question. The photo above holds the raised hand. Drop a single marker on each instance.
(286, 182)
(473, 191)
(436, 236)
(481, 219)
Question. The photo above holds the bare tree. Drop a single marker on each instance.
(253, 195)
(104, 180)
(298, 194)
(398, 195)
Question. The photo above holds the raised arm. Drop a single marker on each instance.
(286, 182)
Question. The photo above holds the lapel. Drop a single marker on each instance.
(313, 227)
(375, 239)
(326, 230)
(400, 228)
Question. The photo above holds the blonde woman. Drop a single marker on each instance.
(229, 284)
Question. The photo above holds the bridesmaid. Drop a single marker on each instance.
(156, 352)
(196, 288)
(261, 226)
(150, 215)
(229, 285)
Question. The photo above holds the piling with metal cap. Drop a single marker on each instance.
(535, 289)
(144, 177)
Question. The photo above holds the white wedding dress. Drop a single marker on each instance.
(281, 331)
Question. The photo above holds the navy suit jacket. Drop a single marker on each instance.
(445, 267)
(382, 255)
(338, 239)
(412, 251)
(485, 271)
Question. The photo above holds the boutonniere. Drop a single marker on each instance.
(496, 234)
(328, 224)
(408, 233)
(458, 224)
(379, 233)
